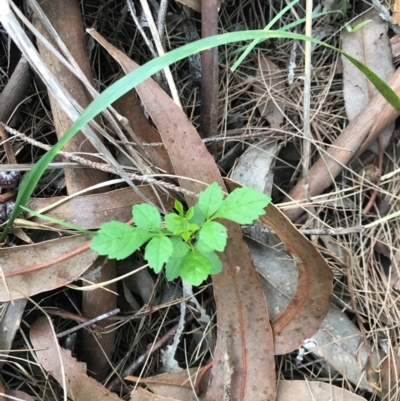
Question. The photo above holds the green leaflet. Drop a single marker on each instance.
(157, 252)
(118, 240)
(243, 205)
(147, 217)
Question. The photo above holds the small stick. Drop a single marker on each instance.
(316, 231)
(374, 194)
(157, 345)
(360, 321)
(7, 147)
(88, 323)
(209, 71)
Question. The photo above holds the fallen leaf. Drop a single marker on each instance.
(142, 130)
(18, 395)
(143, 395)
(269, 88)
(64, 368)
(390, 374)
(300, 390)
(242, 313)
(15, 262)
(140, 283)
(90, 211)
(255, 167)
(338, 340)
(310, 303)
(370, 45)
(10, 322)
(176, 384)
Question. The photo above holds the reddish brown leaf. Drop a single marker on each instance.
(91, 211)
(244, 332)
(58, 272)
(18, 395)
(301, 390)
(307, 309)
(143, 395)
(176, 384)
(390, 373)
(64, 368)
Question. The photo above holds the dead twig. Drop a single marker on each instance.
(88, 323)
(209, 67)
(151, 349)
(357, 137)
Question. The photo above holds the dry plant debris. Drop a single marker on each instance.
(360, 333)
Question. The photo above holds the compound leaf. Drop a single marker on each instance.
(195, 268)
(243, 205)
(214, 235)
(158, 251)
(118, 240)
(147, 217)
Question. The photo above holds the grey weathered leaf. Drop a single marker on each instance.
(371, 46)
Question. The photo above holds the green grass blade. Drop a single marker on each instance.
(255, 42)
(293, 24)
(302, 20)
(284, 28)
(129, 81)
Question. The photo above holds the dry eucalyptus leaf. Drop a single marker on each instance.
(370, 45)
(255, 167)
(269, 90)
(309, 304)
(251, 339)
(141, 283)
(64, 368)
(300, 390)
(177, 385)
(11, 316)
(338, 339)
(141, 394)
(18, 395)
(390, 373)
(59, 271)
(90, 211)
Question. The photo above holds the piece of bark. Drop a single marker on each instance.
(15, 90)
(355, 138)
(71, 31)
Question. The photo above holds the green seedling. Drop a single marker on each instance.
(185, 242)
